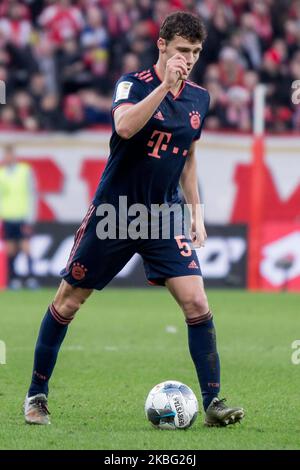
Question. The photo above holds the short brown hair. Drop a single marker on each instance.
(186, 25)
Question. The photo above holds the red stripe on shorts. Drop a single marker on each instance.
(80, 233)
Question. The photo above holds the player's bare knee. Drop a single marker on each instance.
(196, 308)
(68, 300)
(70, 307)
(67, 306)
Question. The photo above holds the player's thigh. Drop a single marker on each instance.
(95, 261)
(68, 299)
(189, 293)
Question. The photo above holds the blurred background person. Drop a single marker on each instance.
(17, 212)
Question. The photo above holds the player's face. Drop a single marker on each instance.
(189, 50)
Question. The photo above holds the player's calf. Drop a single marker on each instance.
(51, 335)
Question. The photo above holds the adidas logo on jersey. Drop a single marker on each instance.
(159, 116)
(193, 265)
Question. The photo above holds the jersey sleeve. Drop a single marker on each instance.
(129, 89)
(198, 135)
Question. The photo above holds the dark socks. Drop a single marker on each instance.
(52, 332)
(202, 344)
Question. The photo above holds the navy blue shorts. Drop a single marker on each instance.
(93, 262)
(14, 230)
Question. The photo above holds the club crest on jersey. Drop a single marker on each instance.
(78, 271)
(195, 119)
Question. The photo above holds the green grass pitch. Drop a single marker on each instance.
(118, 348)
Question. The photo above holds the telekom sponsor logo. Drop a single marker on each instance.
(160, 141)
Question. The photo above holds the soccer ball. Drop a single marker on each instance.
(171, 405)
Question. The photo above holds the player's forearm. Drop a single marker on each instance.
(189, 186)
(137, 116)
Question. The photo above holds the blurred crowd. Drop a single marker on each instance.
(60, 59)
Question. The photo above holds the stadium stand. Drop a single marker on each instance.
(60, 59)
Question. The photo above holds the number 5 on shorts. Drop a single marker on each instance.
(183, 246)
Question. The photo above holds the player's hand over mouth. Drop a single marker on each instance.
(176, 69)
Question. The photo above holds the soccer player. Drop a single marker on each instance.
(158, 116)
(17, 211)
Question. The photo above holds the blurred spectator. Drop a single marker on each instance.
(15, 27)
(237, 113)
(38, 88)
(141, 43)
(262, 20)
(51, 117)
(96, 108)
(74, 51)
(230, 67)
(8, 118)
(95, 43)
(250, 41)
(71, 66)
(61, 21)
(118, 19)
(25, 112)
(251, 79)
(95, 31)
(130, 63)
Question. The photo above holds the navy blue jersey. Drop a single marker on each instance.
(146, 168)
